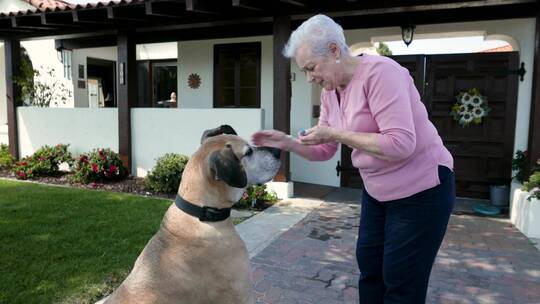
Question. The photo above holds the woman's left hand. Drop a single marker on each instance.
(317, 135)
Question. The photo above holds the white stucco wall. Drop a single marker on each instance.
(304, 96)
(159, 131)
(4, 139)
(198, 57)
(3, 101)
(82, 129)
(44, 58)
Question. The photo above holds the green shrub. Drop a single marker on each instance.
(6, 160)
(533, 184)
(44, 162)
(99, 165)
(255, 195)
(519, 165)
(166, 175)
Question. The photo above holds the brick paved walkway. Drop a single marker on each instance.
(482, 260)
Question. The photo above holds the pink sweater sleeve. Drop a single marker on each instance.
(389, 101)
(325, 151)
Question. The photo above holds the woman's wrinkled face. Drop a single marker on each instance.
(320, 70)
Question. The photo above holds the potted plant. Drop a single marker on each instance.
(525, 213)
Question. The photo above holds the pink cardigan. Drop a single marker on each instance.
(381, 98)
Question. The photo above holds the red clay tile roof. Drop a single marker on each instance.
(59, 5)
(42, 5)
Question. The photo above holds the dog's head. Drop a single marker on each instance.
(233, 161)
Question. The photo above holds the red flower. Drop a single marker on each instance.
(112, 169)
(95, 168)
(42, 158)
(83, 159)
(21, 174)
(23, 164)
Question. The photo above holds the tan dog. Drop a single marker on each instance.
(193, 261)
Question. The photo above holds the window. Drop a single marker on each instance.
(237, 75)
(66, 61)
(157, 81)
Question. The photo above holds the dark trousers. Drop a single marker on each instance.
(398, 241)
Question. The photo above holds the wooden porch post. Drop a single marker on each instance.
(534, 125)
(126, 79)
(282, 88)
(13, 93)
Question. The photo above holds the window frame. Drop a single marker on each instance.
(237, 48)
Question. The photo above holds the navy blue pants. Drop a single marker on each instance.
(398, 241)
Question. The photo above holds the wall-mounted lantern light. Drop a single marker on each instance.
(407, 32)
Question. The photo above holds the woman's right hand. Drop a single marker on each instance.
(272, 138)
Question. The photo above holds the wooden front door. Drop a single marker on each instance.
(482, 153)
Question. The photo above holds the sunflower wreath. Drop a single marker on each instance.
(470, 108)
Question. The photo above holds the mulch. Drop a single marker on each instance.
(133, 185)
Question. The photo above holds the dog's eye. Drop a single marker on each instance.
(249, 152)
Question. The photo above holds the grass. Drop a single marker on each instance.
(63, 245)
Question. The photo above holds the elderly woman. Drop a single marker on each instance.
(370, 104)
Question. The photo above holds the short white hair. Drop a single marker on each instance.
(317, 33)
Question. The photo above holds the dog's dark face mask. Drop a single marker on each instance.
(227, 167)
(224, 163)
(237, 163)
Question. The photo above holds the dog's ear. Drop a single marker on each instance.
(227, 167)
(223, 129)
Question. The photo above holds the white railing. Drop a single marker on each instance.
(4, 139)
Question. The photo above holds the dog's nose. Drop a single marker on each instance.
(274, 151)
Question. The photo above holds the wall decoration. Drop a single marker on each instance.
(81, 71)
(194, 80)
(471, 107)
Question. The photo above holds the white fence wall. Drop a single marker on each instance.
(82, 128)
(4, 139)
(159, 131)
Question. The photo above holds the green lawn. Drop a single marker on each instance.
(62, 245)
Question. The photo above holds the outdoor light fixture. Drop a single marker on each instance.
(407, 32)
(59, 54)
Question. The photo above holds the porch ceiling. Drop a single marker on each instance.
(172, 20)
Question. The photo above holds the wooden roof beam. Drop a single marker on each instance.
(254, 5)
(172, 10)
(94, 16)
(32, 22)
(60, 20)
(129, 14)
(294, 2)
(206, 6)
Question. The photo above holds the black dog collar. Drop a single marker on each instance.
(205, 213)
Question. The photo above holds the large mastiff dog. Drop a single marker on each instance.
(197, 256)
